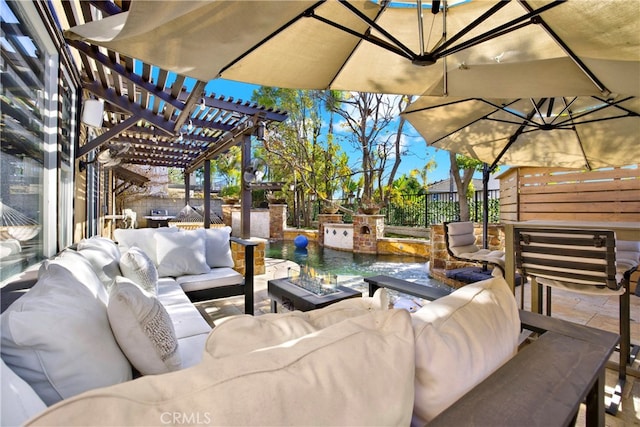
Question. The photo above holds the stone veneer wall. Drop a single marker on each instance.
(440, 257)
(237, 251)
(277, 220)
(367, 229)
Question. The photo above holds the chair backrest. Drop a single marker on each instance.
(459, 238)
(580, 257)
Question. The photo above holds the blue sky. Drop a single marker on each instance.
(418, 153)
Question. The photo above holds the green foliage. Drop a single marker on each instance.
(230, 191)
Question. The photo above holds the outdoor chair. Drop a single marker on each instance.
(581, 261)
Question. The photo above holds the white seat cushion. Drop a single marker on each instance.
(214, 278)
(187, 320)
(170, 293)
(191, 349)
(460, 340)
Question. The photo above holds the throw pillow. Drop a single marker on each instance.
(181, 253)
(217, 247)
(138, 267)
(104, 256)
(460, 340)
(57, 336)
(300, 382)
(142, 238)
(142, 328)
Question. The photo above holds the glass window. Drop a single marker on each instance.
(27, 97)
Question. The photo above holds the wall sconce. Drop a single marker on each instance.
(93, 112)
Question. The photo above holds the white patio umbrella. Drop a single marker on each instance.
(571, 132)
(486, 48)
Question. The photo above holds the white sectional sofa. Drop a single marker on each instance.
(69, 344)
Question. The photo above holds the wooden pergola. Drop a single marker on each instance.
(155, 117)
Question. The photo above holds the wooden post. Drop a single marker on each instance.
(245, 192)
(187, 185)
(207, 193)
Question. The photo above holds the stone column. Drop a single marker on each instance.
(326, 219)
(367, 229)
(226, 213)
(277, 220)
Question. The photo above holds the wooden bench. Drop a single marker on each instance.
(544, 384)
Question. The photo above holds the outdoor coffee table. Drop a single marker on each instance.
(294, 297)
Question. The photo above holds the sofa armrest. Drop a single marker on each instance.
(248, 271)
(544, 381)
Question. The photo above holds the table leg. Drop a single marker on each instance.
(594, 416)
(274, 305)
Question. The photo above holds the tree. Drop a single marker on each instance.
(462, 170)
(368, 118)
(295, 149)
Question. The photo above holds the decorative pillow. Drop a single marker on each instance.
(104, 255)
(57, 336)
(82, 270)
(138, 267)
(142, 238)
(142, 328)
(296, 383)
(19, 401)
(460, 340)
(181, 253)
(217, 247)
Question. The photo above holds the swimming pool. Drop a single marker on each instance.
(353, 265)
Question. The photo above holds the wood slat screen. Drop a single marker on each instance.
(607, 194)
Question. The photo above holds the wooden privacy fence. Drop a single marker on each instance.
(607, 194)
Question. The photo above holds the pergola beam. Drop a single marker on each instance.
(107, 136)
(109, 95)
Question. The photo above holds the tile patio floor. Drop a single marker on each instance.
(597, 312)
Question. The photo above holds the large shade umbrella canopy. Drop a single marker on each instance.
(469, 48)
(572, 132)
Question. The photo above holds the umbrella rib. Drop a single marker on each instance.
(501, 30)
(270, 36)
(601, 87)
(470, 27)
(398, 44)
(515, 136)
(606, 104)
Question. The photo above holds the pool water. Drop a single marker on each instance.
(344, 263)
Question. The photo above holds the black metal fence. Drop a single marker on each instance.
(423, 210)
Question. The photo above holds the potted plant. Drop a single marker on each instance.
(230, 194)
(369, 206)
(330, 207)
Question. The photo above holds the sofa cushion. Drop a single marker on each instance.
(170, 293)
(104, 256)
(218, 249)
(187, 320)
(460, 340)
(142, 238)
(138, 267)
(181, 253)
(19, 401)
(215, 277)
(245, 333)
(461, 234)
(57, 336)
(142, 328)
(300, 382)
